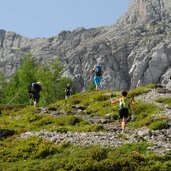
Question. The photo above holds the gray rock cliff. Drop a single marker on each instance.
(134, 51)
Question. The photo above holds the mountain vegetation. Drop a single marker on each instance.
(15, 89)
(83, 132)
(128, 50)
(27, 143)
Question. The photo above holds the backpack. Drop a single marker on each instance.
(124, 103)
(68, 90)
(98, 70)
(35, 88)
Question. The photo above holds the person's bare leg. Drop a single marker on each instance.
(97, 88)
(34, 103)
(123, 124)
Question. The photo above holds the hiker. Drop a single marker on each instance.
(97, 73)
(124, 106)
(67, 91)
(34, 92)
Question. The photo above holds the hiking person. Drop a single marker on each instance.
(124, 106)
(96, 73)
(34, 92)
(67, 91)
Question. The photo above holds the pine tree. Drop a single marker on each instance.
(17, 88)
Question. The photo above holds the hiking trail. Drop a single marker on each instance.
(159, 138)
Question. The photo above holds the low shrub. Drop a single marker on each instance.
(164, 100)
(36, 154)
(143, 113)
(14, 107)
(159, 125)
(4, 133)
(139, 90)
(98, 153)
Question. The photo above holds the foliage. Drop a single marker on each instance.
(5, 133)
(29, 119)
(98, 153)
(91, 86)
(164, 100)
(49, 75)
(143, 113)
(97, 104)
(34, 153)
(3, 83)
(16, 90)
(11, 108)
(94, 103)
(52, 82)
(37, 154)
(140, 90)
(159, 125)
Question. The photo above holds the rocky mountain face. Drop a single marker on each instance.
(135, 51)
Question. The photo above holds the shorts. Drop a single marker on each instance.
(97, 80)
(123, 113)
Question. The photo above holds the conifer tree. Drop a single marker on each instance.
(17, 88)
(52, 81)
(2, 86)
(49, 75)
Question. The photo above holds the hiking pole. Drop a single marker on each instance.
(13, 98)
(132, 115)
(132, 111)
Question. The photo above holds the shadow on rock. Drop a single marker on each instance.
(4, 133)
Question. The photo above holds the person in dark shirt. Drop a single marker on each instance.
(67, 91)
(34, 92)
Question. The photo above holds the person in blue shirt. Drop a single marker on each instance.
(97, 73)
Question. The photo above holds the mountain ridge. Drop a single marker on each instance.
(128, 51)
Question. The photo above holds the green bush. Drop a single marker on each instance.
(138, 91)
(159, 125)
(74, 120)
(143, 114)
(34, 117)
(46, 149)
(36, 154)
(164, 100)
(4, 133)
(98, 153)
(15, 107)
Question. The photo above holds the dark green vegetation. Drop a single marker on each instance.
(164, 100)
(97, 104)
(22, 118)
(38, 154)
(15, 91)
(30, 119)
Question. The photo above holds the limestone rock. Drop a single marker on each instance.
(135, 51)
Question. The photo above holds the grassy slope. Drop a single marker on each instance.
(38, 154)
